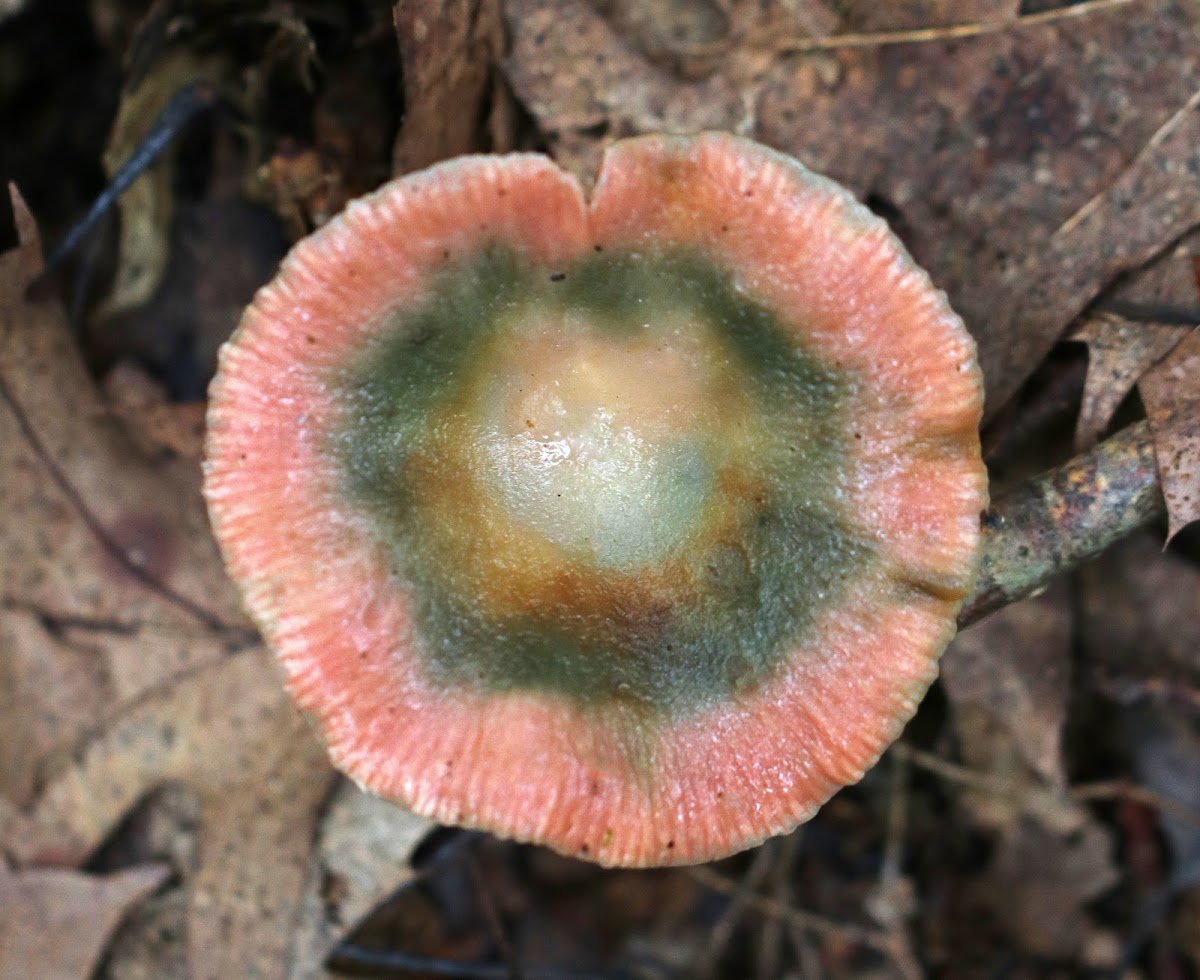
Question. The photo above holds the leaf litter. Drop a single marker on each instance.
(102, 550)
(1038, 158)
(1120, 352)
(61, 919)
(1171, 392)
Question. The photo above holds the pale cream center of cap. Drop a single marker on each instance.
(604, 442)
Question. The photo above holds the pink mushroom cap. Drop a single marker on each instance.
(633, 527)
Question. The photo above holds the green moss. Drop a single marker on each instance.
(717, 609)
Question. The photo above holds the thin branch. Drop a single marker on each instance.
(888, 904)
(180, 110)
(1063, 517)
(707, 959)
(1114, 789)
(955, 32)
(1120, 789)
(769, 961)
(807, 956)
(809, 921)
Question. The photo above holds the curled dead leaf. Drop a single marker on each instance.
(1172, 396)
(56, 922)
(1119, 353)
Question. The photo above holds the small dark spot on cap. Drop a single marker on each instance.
(557, 276)
(670, 845)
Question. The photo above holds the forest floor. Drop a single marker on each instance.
(164, 809)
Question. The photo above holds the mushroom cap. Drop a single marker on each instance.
(632, 527)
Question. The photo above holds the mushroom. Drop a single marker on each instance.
(632, 527)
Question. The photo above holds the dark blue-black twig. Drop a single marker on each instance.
(183, 107)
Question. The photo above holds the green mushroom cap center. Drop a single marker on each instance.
(615, 481)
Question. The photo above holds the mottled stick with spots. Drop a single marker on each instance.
(1052, 523)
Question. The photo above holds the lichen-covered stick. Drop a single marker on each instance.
(632, 526)
(1051, 523)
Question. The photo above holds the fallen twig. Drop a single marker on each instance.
(952, 32)
(1063, 517)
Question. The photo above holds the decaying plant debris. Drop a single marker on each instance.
(1039, 158)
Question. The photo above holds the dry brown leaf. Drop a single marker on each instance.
(1041, 881)
(1171, 393)
(101, 551)
(1119, 353)
(980, 150)
(128, 663)
(257, 903)
(448, 49)
(361, 859)
(593, 71)
(687, 37)
(56, 923)
(1140, 623)
(584, 83)
(1154, 201)
(1168, 284)
(153, 423)
(1008, 679)
(151, 942)
(232, 735)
